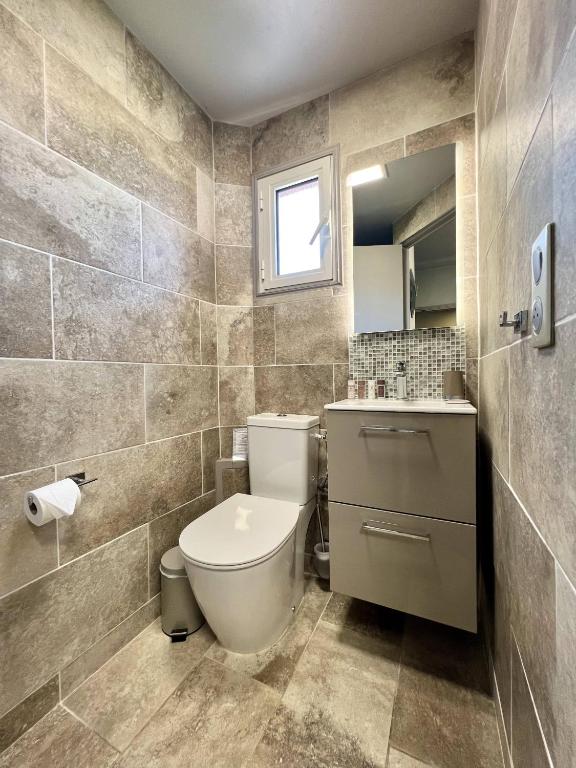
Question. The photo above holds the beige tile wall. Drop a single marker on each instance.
(527, 177)
(108, 334)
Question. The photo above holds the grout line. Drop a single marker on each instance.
(551, 764)
(45, 92)
(51, 271)
(85, 724)
(134, 363)
(144, 404)
(148, 561)
(141, 243)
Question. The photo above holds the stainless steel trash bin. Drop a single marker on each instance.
(180, 613)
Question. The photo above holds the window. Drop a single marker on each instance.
(297, 242)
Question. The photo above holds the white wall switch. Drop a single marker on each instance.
(541, 267)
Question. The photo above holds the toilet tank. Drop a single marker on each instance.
(283, 456)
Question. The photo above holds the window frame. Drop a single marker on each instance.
(264, 187)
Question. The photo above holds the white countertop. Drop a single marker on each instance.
(404, 406)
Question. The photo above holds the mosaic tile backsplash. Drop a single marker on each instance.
(426, 352)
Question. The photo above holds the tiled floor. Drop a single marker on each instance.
(349, 685)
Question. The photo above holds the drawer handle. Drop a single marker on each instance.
(373, 526)
(393, 430)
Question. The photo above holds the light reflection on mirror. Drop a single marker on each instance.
(404, 261)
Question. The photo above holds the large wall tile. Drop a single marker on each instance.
(502, 14)
(542, 428)
(87, 33)
(21, 76)
(53, 205)
(380, 108)
(291, 135)
(48, 623)
(98, 316)
(26, 551)
(236, 395)
(233, 214)
(210, 452)
(134, 486)
(25, 303)
(312, 331)
(180, 399)
(545, 28)
(98, 654)
(165, 532)
(564, 170)
(294, 389)
(176, 258)
(232, 160)
(162, 104)
(89, 126)
(529, 209)
(562, 738)
(55, 411)
(235, 336)
(264, 336)
(209, 333)
(234, 275)
(528, 749)
(459, 131)
(24, 715)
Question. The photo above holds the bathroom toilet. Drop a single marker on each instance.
(245, 557)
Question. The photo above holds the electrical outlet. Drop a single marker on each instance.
(542, 310)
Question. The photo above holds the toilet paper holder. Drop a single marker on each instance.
(80, 479)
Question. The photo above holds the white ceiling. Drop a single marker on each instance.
(245, 60)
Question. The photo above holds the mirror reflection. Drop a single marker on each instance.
(404, 261)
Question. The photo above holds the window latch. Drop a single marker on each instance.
(324, 220)
(262, 270)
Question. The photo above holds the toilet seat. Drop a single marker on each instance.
(239, 532)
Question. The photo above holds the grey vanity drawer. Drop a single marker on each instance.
(414, 564)
(426, 467)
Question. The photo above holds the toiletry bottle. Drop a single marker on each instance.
(371, 389)
(401, 387)
(380, 388)
(352, 390)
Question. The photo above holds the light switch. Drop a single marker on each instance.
(541, 267)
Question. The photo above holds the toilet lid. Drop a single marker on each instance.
(240, 530)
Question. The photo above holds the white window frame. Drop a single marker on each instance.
(325, 166)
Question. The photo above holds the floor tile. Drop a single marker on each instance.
(366, 618)
(119, 699)
(275, 665)
(59, 740)
(336, 711)
(402, 760)
(443, 712)
(214, 718)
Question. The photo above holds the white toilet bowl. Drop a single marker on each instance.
(245, 562)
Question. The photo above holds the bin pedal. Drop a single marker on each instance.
(179, 635)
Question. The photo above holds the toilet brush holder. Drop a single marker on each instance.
(321, 560)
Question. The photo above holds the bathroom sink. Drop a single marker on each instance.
(414, 406)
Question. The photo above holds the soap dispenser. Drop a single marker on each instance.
(401, 386)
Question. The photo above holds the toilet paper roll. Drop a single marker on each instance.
(51, 502)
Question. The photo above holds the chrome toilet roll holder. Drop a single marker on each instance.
(80, 479)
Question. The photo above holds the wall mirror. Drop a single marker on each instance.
(404, 230)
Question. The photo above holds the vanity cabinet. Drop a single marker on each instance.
(402, 507)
